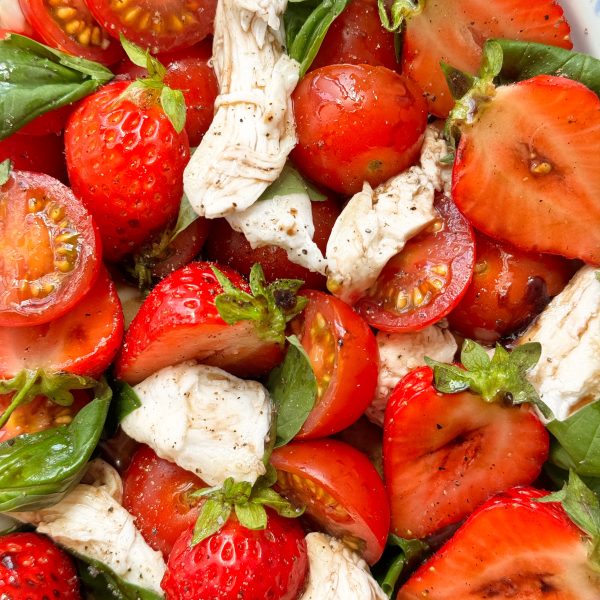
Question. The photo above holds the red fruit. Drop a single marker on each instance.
(454, 31)
(33, 568)
(444, 454)
(540, 192)
(511, 547)
(237, 562)
(179, 321)
(126, 162)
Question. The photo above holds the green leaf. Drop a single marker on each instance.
(173, 103)
(187, 215)
(401, 10)
(39, 469)
(36, 79)
(291, 182)
(283, 507)
(474, 357)
(458, 81)
(125, 399)
(448, 378)
(138, 56)
(251, 515)
(213, 515)
(306, 24)
(293, 388)
(5, 169)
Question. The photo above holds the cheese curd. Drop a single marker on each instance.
(376, 224)
(11, 16)
(567, 376)
(400, 353)
(337, 573)
(253, 131)
(205, 420)
(91, 522)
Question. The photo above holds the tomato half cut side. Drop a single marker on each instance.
(160, 26)
(341, 490)
(84, 341)
(69, 26)
(49, 250)
(345, 359)
(423, 283)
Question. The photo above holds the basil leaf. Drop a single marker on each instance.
(293, 387)
(306, 24)
(36, 79)
(579, 439)
(187, 215)
(125, 399)
(523, 60)
(39, 469)
(291, 182)
(104, 584)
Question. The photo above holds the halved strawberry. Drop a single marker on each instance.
(180, 321)
(511, 547)
(444, 454)
(527, 169)
(454, 31)
(83, 342)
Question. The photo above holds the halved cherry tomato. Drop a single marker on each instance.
(425, 281)
(509, 288)
(160, 26)
(69, 26)
(157, 493)
(84, 341)
(49, 249)
(345, 359)
(341, 490)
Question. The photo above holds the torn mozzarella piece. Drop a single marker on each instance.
(335, 572)
(400, 353)
(91, 522)
(376, 224)
(567, 376)
(11, 16)
(253, 131)
(205, 420)
(283, 221)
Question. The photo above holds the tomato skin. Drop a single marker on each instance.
(360, 512)
(333, 103)
(42, 154)
(53, 121)
(340, 346)
(156, 492)
(229, 247)
(357, 37)
(509, 288)
(35, 211)
(446, 255)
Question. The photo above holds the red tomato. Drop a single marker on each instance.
(51, 122)
(231, 248)
(84, 341)
(157, 493)
(43, 154)
(509, 288)
(158, 26)
(341, 490)
(357, 37)
(424, 282)
(188, 70)
(69, 26)
(345, 359)
(357, 123)
(49, 250)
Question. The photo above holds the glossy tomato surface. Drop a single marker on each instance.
(341, 490)
(41, 154)
(356, 123)
(422, 283)
(345, 359)
(49, 249)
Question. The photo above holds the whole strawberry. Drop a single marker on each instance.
(126, 150)
(32, 567)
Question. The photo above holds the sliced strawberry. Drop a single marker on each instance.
(511, 547)
(180, 321)
(444, 454)
(527, 170)
(84, 341)
(454, 31)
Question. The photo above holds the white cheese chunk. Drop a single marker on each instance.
(91, 522)
(567, 375)
(400, 353)
(205, 420)
(253, 130)
(335, 572)
(376, 224)
(11, 16)
(283, 221)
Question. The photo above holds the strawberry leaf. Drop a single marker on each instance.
(251, 515)
(291, 182)
(401, 10)
(5, 169)
(173, 103)
(213, 515)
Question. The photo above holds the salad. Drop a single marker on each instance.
(299, 300)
